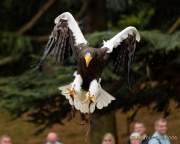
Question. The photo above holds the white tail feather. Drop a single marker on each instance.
(80, 103)
(63, 90)
(92, 107)
(104, 99)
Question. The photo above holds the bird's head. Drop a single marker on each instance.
(88, 57)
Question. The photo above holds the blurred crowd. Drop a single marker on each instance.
(138, 136)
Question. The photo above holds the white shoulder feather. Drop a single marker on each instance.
(79, 38)
(117, 39)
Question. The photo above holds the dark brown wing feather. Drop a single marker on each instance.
(123, 55)
(60, 44)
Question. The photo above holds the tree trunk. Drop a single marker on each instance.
(101, 125)
(95, 17)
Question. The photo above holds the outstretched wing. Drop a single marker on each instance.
(64, 39)
(122, 47)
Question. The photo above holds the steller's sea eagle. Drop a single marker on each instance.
(85, 92)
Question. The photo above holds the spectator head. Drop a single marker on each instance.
(139, 127)
(161, 126)
(5, 139)
(135, 138)
(108, 139)
(52, 137)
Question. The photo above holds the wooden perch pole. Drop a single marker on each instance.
(27, 26)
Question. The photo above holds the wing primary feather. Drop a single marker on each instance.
(59, 56)
(59, 49)
(63, 49)
(47, 51)
(123, 54)
(60, 44)
(131, 58)
(65, 36)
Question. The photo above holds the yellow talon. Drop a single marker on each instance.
(71, 92)
(89, 97)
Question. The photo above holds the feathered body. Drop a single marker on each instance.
(95, 68)
(85, 92)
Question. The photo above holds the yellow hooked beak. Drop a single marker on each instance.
(88, 58)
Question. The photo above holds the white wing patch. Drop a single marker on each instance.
(117, 39)
(79, 38)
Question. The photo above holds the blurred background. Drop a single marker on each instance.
(30, 103)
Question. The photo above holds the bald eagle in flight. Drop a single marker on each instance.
(85, 92)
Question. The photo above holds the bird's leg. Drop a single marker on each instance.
(71, 92)
(93, 92)
(89, 97)
(75, 88)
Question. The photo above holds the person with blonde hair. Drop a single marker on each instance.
(108, 138)
(5, 139)
(135, 138)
